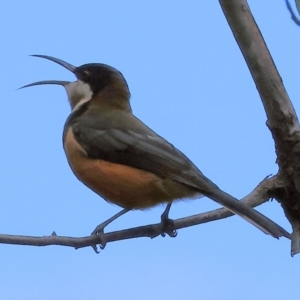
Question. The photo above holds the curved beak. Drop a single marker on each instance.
(58, 61)
(59, 82)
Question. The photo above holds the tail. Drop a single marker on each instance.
(248, 213)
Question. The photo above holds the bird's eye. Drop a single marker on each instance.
(86, 72)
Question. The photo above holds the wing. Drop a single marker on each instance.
(146, 151)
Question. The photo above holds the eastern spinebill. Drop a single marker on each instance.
(125, 162)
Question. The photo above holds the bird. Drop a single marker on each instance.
(124, 161)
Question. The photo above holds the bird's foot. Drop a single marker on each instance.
(99, 232)
(167, 225)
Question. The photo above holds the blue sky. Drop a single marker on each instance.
(189, 83)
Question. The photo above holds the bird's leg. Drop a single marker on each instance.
(167, 224)
(99, 230)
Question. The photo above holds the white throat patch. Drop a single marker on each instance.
(79, 93)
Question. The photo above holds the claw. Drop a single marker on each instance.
(95, 249)
(167, 227)
(99, 231)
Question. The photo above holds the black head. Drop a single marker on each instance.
(91, 80)
(98, 76)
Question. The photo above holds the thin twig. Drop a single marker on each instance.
(293, 15)
(258, 196)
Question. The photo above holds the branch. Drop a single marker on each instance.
(293, 15)
(258, 196)
(281, 116)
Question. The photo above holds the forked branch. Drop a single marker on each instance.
(281, 116)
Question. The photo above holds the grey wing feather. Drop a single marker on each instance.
(146, 152)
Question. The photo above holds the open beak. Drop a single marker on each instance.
(59, 82)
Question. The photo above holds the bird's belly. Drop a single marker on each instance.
(123, 185)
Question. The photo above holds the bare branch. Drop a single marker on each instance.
(263, 70)
(293, 15)
(258, 196)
